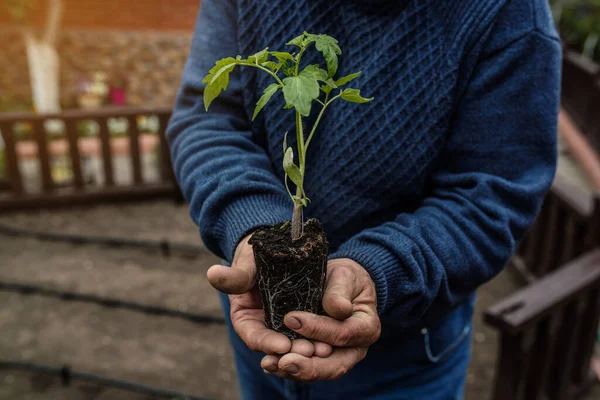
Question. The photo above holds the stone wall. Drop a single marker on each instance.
(152, 62)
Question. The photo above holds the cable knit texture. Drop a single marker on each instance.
(431, 185)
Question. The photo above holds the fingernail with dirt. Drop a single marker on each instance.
(293, 323)
(291, 369)
(271, 368)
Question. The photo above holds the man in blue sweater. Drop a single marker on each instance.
(423, 194)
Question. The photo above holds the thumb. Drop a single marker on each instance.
(339, 292)
(239, 278)
(231, 280)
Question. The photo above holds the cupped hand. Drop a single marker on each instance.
(352, 326)
(247, 315)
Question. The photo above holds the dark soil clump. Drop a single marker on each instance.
(291, 274)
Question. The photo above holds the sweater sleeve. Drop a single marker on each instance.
(225, 175)
(497, 165)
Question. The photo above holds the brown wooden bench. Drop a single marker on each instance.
(548, 331)
(79, 192)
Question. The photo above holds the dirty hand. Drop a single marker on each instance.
(353, 325)
(247, 315)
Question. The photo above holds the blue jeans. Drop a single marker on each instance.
(426, 365)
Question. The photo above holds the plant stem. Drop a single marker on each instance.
(297, 218)
(300, 142)
(297, 215)
(314, 128)
(279, 81)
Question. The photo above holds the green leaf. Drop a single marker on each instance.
(272, 65)
(353, 95)
(328, 86)
(330, 49)
(299, 92)
(292, 169)
(331, 83)
(288, 69)
(284, 143)
(346, 79)
(282, 56)
(297, 41)
(264, 99)
(259, 57)
(217, 79)
(316, 71)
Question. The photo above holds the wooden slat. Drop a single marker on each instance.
(41, 139)
(85, 114)
(592, 239)
(569, 334)
(585, 344)
(72, 138)
(570, 235)
(12, 162)
(551, 245)
(166, 168)
(535, 302)
(536, 238)
(527, 362)
(134, 149)
(70, 198)
(541, 358)
(508, 372)
(107, 160)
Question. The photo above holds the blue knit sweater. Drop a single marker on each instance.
(431, 185)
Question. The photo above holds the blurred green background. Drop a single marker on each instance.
(579, 24)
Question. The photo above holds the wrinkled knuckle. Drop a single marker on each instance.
(344, 337)
(311, 375)
(344, 272)
(252, 346)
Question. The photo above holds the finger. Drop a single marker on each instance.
(322, 349)
(232, 280)
(270, 363)
(258, 338)
(282, 374)
(310, 369)
(340, 291)
(303, 347)
(360, 330)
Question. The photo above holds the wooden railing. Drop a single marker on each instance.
(77, 191)
(548, 331)
(562, 231)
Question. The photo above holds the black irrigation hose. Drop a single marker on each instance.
(108, 302)
(166, 247)
(67, 375)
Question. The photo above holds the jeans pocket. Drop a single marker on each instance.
(434, 353)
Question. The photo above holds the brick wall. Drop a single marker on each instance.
(163, 15)
(152, 62)
(145, 40)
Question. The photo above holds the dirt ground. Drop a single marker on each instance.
(159, 351)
